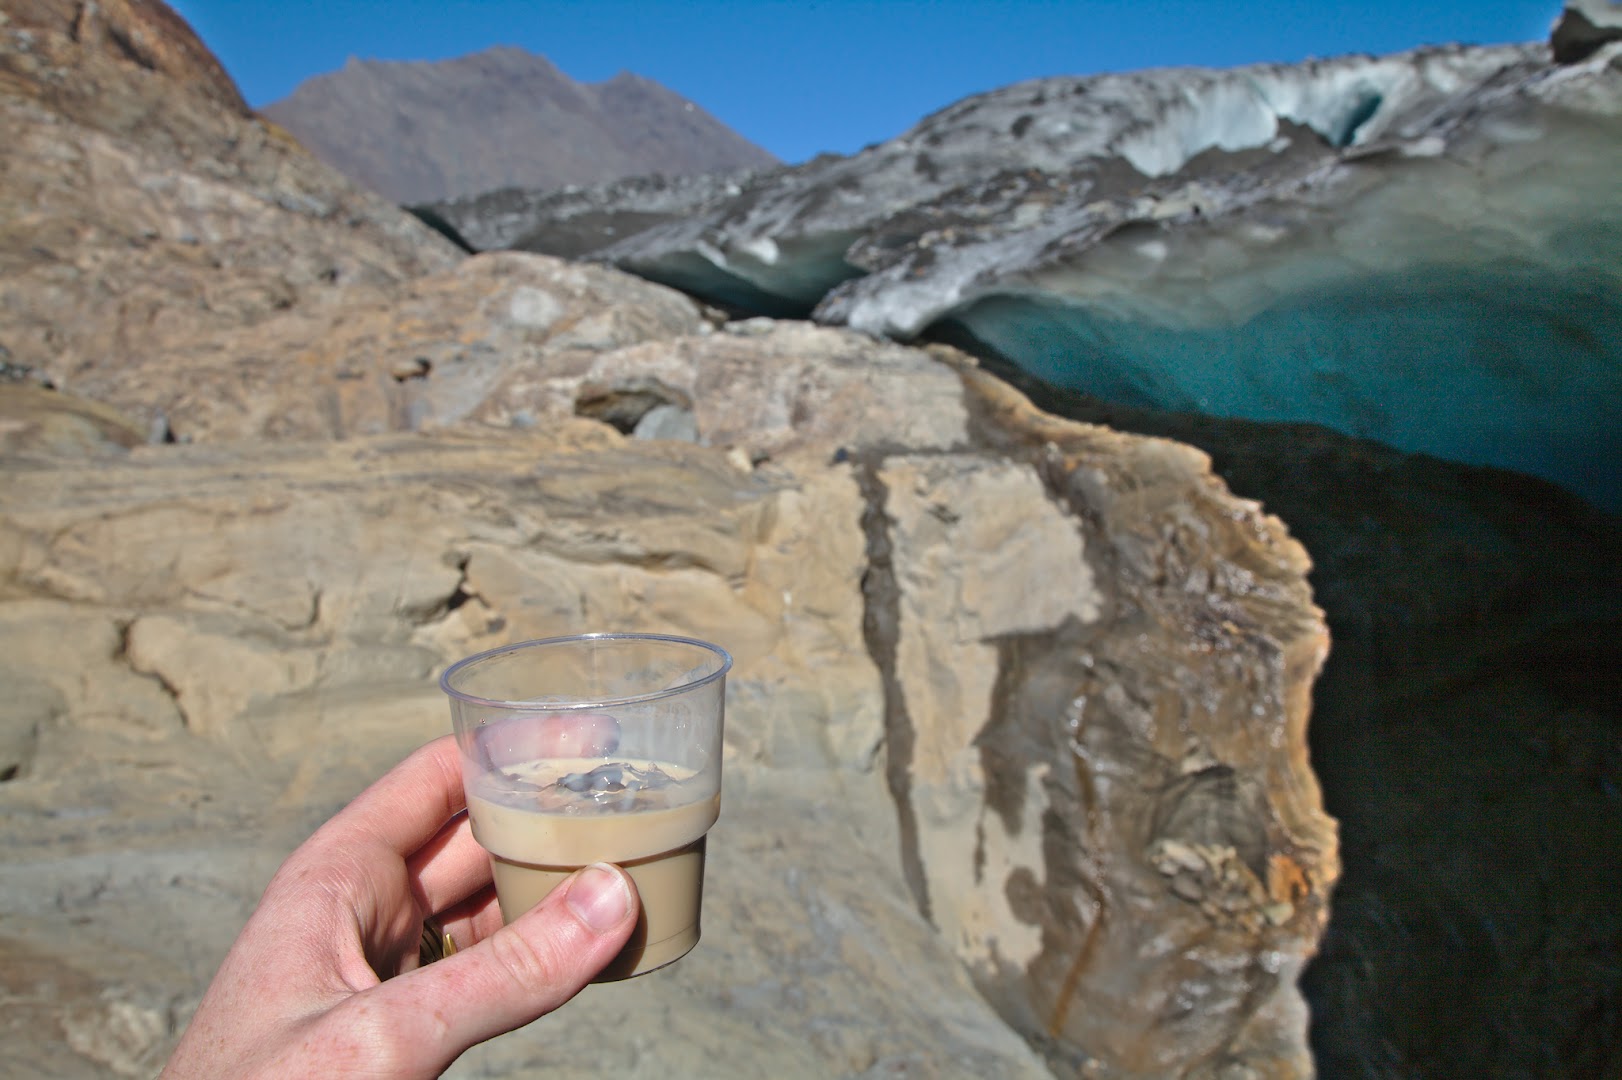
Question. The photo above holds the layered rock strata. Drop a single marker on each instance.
(1086, 697)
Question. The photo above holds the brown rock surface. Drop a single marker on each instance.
(1019, 705)
(142, 210)
(149, 35)
(423, 353)
(1467, 733)
(35, 420)
(210, 647)
(255, 593)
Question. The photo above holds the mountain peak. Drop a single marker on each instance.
(420, 131)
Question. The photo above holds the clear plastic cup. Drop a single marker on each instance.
(596, 748)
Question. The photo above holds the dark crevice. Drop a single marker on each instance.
(432, 613)
(881, 630)
(626, 404)
(436, 221)
(1362, 111)
(1001, 742)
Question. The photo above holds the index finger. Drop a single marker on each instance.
(408, 806)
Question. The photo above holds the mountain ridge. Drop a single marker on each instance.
(417, 131)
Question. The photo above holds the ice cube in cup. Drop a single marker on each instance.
(601, 747)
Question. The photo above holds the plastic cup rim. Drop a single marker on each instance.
(596, 703)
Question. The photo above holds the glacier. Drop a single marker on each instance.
(1440, 362)
(1419, 248)
(1465, 307)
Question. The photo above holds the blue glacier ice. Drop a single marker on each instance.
(781, 279)
(1516, 368)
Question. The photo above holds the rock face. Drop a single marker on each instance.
(1016, 749)
(148, 35)
(1102, 788)
(125, 239)
(420, 131)
(1473, 686)
(233, 599)
(1430, 237)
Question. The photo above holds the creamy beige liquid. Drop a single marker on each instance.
(536, 840)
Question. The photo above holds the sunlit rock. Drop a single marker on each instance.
(942, 628)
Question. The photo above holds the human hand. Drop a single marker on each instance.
(323, 980)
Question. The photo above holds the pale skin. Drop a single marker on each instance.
(324, 981)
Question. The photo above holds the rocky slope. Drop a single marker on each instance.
(1017, 762)
(419, 131)
(144, 209)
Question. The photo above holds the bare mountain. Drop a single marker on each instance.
(419, 131)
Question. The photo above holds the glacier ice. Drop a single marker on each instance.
(1466, 307)
(1421, 248)
(1460, 365)
(1136, 126)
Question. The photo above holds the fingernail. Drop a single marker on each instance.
(600, 897)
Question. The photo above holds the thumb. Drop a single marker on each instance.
(521, 972)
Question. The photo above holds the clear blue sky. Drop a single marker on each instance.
(802, 77)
